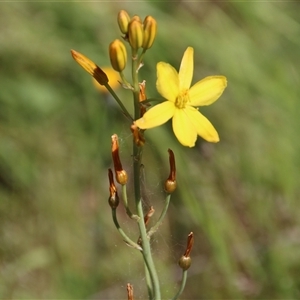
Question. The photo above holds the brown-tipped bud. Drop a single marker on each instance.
(117, 55)
(150, 29)
(90, 67)
(138, 137)
(113, 199)
(123, 21)
(120, 173)
(135, 33)
(129, 291)
(170, 183)
(185, 260)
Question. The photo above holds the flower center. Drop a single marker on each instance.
(182, 99)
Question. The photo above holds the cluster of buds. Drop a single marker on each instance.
(137, 33)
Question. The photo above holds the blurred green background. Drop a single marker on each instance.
(240, 197)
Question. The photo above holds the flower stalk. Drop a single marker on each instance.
(181, 105)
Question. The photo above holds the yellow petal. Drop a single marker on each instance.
(157, 115)
(207, 90)
(167, 82)
(186, 69)
(202, 125)
(90, 67)
(183, 128)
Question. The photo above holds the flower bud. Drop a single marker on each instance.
(90, 67)
(150, 29)
(117, 55)
(170, 183)
(136, 17)
(123, 21)
(135, 33)
(113, 199)
(120, 173)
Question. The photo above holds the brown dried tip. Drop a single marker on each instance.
(170, 183)
(190, 243)
(138, 137)
(113, 199)
(129, 291)
(90, 67)
(121, 174)
(143, 97)
(149, 215)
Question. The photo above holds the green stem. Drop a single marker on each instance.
(163, 213)
(125, 202)
(127, 240)
(125, 111)
(149, 283)
(183, 282)
(142, 56)
(137, 159)
(147, 255)
(136, 88)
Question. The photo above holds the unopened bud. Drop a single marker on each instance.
(137, 18)
(117, 55)
(170, 183)
(113, 198)
(185, 260)
(120, 173)
(90, 67)
(150, 29)
(123, 21)
(135, 33)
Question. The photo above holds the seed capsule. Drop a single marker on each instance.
(120, 173)
(184, 262)
(170, 183)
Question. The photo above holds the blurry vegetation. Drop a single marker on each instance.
(240, 197)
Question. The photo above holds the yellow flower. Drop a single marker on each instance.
(187, 121)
